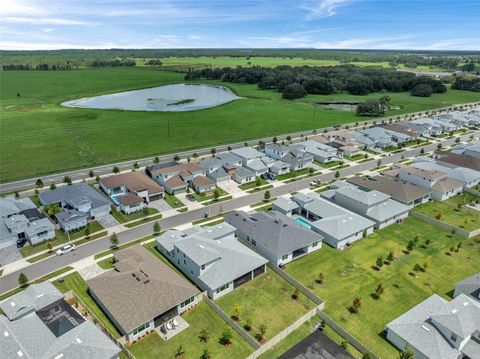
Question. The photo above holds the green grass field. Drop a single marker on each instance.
(266, 300)
(199, 318)
(66, 138)
(349, 273)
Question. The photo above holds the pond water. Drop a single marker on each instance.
(178, 97)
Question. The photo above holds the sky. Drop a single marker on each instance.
(331, 24)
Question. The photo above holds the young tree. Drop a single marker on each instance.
(116, 169)
(156, 227)
(248, 325)
(422, 151)
(337, 174)
(97, 179)
(49, 247)
(176, 158)
(323, 324)
(145, 211)
(226, 337)
(204, 335)
(407, 353)
(205, 354)
(53, 186)
(236, 312)
(266, 196)
(379, 290)
(136, 165)
(274, 140)
(356, 304)
(39, 183)
(114, 240)
(427, 242)
(87, 232)
(296, 293)
(156, 160)
(366, 356)
(344, 345)
(22, 280)
(91, 173)
(321, 278)
(417, 267)
(17, 194)
(216, 194)
(258, 182)
(379, 262)
(410, 246)
(262, 331)
(213, 151)
(67, 180)
(390, 256)
(311, 170)
(180, 352)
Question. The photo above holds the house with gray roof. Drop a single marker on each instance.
(226, 166)
(469, 286)
(141, 293)
(321, 152)
(79, 197)
(471, 149)
(20, 219)
(211, 257)
(403, 192)
(438, 329)
(339, 226)
(285, 205)
(295, 156)
(246, 154)
(379, 136)
(467, 176)
(277, 237)
(39, 324)
(374, 205)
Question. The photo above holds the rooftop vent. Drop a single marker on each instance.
(465, 304)
(454, 311)
(5, 334)
(425, 328)
(12, 303)
(59, 356)
(40, 295)
(20, 353)
(78, 340)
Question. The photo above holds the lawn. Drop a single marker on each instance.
(202, 317)
(76, 283)
(349, 273)
(208, 195)
(330, 164)
(122, 217)
(123, 246)
(172, 201)
(87, 137)
(251, 185)
(464, 217)
(295, 174)
(266, 300)
(60, 238)
(356, 157)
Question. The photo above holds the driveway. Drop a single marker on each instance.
(9, 253)
(160, 205)
(107, 221)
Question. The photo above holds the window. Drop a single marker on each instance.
(184, 262)
(285, 256)
(141, 328)
(453, 337)
(203, 266)
(314, 244)
(254, 242)
(187, 302)
(223, 287)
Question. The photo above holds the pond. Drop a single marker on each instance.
(177, 97)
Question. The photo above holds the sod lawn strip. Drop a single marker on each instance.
(172, 201)
(123, 246)
(143, 221)
(329, 164)
(209, 195)
(203, 220)
(294, 174)
(350, 273)
(464, 217)
(213, 201)
(76, 283)
(199, 318)
(267, 300)
(250, 185)
(122, 217)
(355, 158)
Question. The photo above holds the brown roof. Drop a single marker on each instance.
(175, 182)
(140, 288)
(130, 199)
(401, 129)
(446, 184)
(201, 181)
(460, 160)
(134, 181)
(189, 167)
(399, 190)
(433, 175)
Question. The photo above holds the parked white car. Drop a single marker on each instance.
(66, 249)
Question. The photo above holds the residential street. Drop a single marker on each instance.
(53, 263)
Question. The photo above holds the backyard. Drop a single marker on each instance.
(453, 211)
(202, 317)
(266, 300)
(351, 273)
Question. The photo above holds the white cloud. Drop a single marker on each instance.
(42, 21)
(323, 8)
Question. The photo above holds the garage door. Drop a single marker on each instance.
(258, 271)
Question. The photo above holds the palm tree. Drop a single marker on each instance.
(407, 353)
(390, 256)
(226, 337)
(357, 304)
(204, 335)
(180, 352)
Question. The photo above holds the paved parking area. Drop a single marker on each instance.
(107, 221)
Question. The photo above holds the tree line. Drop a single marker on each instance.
(297, 82)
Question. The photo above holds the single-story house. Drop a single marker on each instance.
(242, 175)
(339, 226)
(211, 257)
(469, 286)
(398, 128)
(374, 205)
(321, 152)
(467, 176)
(141, 293)
(72, 220)
(438, 329)
(277, 237)
(222, 167)
(203, 184)
(285, 206)
(137, 183)
(454, 160)
(38, 323)
(280, 168)
(20, 218)
(471, 149)
(403, 192)
(380, 137)
(78, 196)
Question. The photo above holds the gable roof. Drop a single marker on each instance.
(246, 152)
(277, 233)
(465, 175)
(75, 194)
(201, 181)
(470, 286)
(130, 199)
(399, 190)
(11, 205)
(187, 167)
(140, 288)
(459, 160)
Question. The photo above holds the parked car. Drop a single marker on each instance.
(21, 242)
(264, 176)
(66, 249)
(190, 197)
(271, 176)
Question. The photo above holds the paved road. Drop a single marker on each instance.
(51, 264)
(107, 169)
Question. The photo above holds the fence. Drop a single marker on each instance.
(283, 334)
(445, 226)
(231, 322)
(350, 338)
(472, 191)
(297, 284)
(119, 342)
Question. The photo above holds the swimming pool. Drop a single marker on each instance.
(116, 199)
(303, 222)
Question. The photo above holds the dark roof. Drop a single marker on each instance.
(140, 288)
(459, 160)
(134, 181)
(277, 233)
(399, 190)
(201, 181)
(75, 194)
(130, 199)
(151, 169)
(316, 346)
